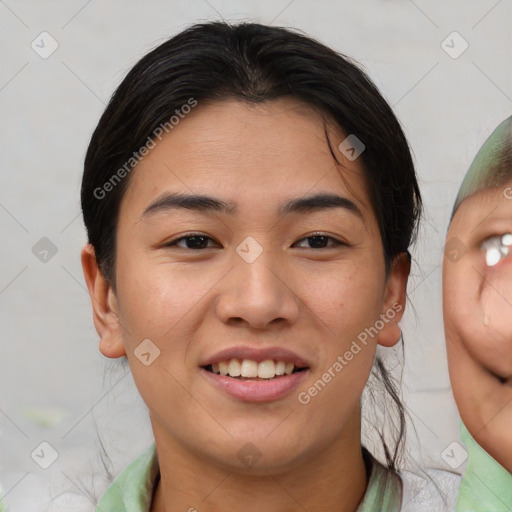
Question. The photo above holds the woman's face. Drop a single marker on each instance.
(279, 260)
(477, 303)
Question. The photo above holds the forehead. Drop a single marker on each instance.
(260, 153)
(482, 208)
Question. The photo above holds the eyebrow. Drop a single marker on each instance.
(198, 202)
(319, 202)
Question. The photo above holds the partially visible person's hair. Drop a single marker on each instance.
(252, 63)
(492, 165)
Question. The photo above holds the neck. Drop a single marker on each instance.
(334, 479)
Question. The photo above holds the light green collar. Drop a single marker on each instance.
(132, 490)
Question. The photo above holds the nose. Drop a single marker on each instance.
(257, 295)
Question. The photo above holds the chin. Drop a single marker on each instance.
(259, 457)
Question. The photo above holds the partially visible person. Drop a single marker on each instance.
(477, 307)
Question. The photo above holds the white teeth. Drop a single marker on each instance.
(266, 369)
(280, 366)
(234, 368)
(223, 367)
(248, 368)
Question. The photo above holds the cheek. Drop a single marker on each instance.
(156, 298)
(478, 311)
(164, 304)
(346, 301)
(497, 289)
(496, 299)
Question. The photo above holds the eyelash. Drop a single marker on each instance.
(174, 243)
(496, 248)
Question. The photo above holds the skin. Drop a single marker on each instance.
(192, 303)
(477, 306)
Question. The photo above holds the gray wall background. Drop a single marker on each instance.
(55, 386)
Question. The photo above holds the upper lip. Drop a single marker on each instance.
(256, 354)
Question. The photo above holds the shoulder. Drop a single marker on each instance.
(485, 481)
(134, 486)
(429, 490)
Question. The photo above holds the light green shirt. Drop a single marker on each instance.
(132, 490)
(487, 485)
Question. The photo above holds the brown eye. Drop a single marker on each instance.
(319, 241)
(193, 241)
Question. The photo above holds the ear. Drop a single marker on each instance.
(104, 306)
(394, 300)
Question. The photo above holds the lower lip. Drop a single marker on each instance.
(256, 390)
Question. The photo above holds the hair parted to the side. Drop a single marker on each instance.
(253, 63)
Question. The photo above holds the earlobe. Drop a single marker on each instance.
(104, 306)
(394, 301)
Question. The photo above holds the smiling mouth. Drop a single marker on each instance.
(248, 369)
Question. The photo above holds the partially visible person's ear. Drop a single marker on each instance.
(394, 300)
(104, 306)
